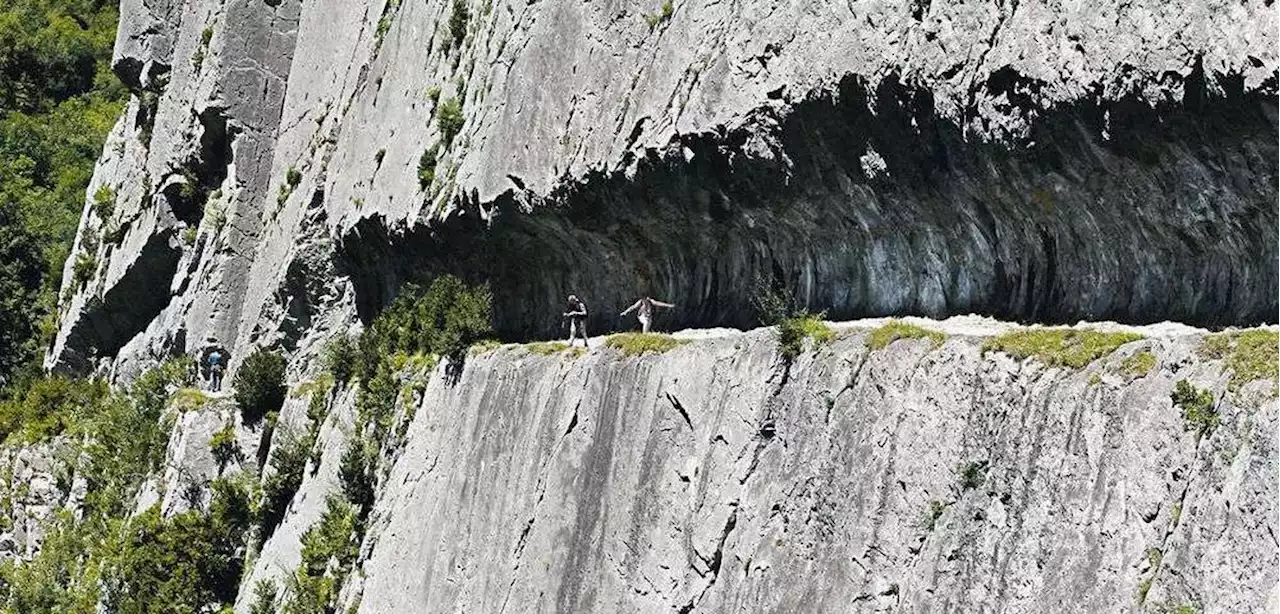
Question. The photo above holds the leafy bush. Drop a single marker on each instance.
(972, 474)
(449, 119)
(265, 597)
(339, 358)
(259, 384)
(1059, 347)
(793, 331)
(894, 330)
(104, 202)
(49, 406)
(663, 14)
(189, 235)
(929, 520)
(288, 460)
(330, 538)
(433, 94)
(225, 448)
(1197, 406)
(445, 318)
(355, 473)
(84, 268)
(293, 176)
(637, 344)
(427, 167)
(458, 22)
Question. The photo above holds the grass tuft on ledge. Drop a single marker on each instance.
(639, 344)
(1250, 355)
(894, 330)
(1059, 347)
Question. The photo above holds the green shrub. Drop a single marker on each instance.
(1138, 364)
(84, 268)
(1197, 406)
(265, 597)
(330, 539)
(793, 331)
(427, 167)
(355, 473)
(663, 14)
(1059, 347)
(449, 119)
(929, 519)
(104, 202)
(293, 176)
(458, 22)
(49, 406)
(189, 235)
(972, 474)
(894, 330)
(444, 318)
(259, 384)
(433, 94)
(289, 460)
(225, 448)
(638, 344)
(339, 359)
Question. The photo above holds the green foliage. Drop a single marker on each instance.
(1059, 347)
(444, 318)
(293, 176)
(265, 597)
(259, 384)
(384, 22)
(84, 268)
(433, 94)
(225, 448)
(48, 407)
(427, 167)
(189, 235)
(458, 22)
(972, 474)
(637, 344)
(1251, 355)
(1197, 406)
(449, 119)
(546, 348)
(288, 461)
(1138, 364)
(663, 14)
(339, 358)
(104, 202)
(355, 473)
(929, 519)
(330, 538)
(793, 331)
(894, 330)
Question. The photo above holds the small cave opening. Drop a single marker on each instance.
(1067, 226)
(188, 192)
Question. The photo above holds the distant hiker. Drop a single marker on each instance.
(217, 365)
(213, 362)
(644, 311)
(576, 313)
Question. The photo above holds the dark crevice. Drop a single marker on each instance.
(1108, 210)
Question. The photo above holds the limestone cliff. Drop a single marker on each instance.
(714, 478)
(285, 165)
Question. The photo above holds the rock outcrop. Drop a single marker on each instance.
(712, 478)
(285, 166)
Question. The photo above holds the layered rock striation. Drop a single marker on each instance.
(283, 167)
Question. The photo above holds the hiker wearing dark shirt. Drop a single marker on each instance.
(644, 311)
(576, 313)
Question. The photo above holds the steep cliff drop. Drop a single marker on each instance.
(285, 168)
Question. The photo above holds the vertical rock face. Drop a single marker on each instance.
(284, 166)
(913, 478)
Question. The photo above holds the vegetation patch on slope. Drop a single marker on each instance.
(1059, 347)
(894, 330)
(639, 344)
(1250, 355)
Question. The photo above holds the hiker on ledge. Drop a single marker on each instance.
(576, 313)
(644, 310)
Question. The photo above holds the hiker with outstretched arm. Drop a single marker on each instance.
(576, 313)
(644, 310)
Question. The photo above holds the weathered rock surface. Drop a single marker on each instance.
(711, 479)
(1032, 160)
